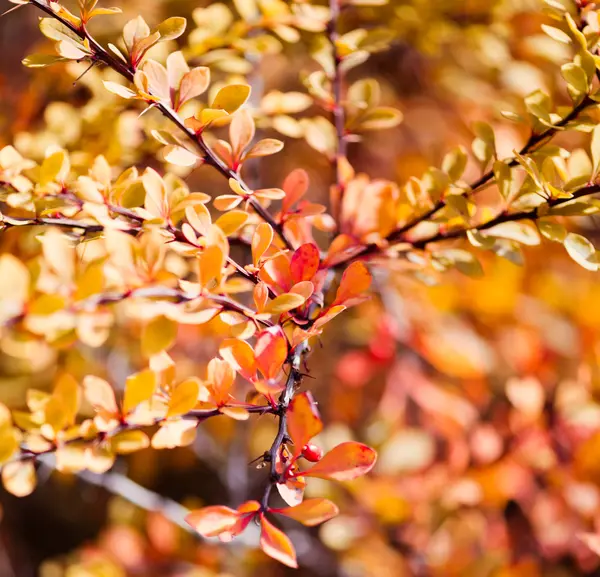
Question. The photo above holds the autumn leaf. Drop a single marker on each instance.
(271, 351)
(212, 521)
(184, 397)
(310, 512)
(129, 442)
(223, 522)
(158, 335)
(345, 462)
(303, 421)
(355, 281)
(305, 262)
(240, 355)
(276, 544)
(138, 389)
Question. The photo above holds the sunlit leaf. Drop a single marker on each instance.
(304, 421)
(129, 442)
(311, 512)
(345, 462)
(276, 544)
(138, 388)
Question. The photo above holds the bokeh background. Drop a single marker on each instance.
(481, 396)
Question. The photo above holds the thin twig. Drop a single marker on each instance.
(533, 144)
(339, 116)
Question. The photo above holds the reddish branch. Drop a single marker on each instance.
(503, 217)
(99, 54)
(101, 436)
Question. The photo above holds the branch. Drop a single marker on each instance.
(338, 108)
(99, 54)
(101, 436)
(503, 217)
(293, 380)
(534, 142)
(124, 487)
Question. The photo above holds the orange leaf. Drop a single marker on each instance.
(194, 83)
(261, 241)
(271, 351)
(276, 544)
(345, 462)
(240, 356)
(355, 281)
(310, 512)
(223, 522)
(212, 521)
(305, 262)
(236, 413)
(260, 296)
(295, 187)
(220, 376)
(303, 421)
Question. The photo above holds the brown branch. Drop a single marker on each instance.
(339, 116)
(534, 142)
(503, 217)
(293, 380)
(101, 436)
(99, 54)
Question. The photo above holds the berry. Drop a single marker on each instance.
(312, 452)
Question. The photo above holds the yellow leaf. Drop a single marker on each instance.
(67, 390)
(175, 434)
(231, 97)
(129, 442)
(232, 221)
(138, 388)
(184, 397)
(14, 286)
(99, 458)
(158, 335)
(285, 302)
(237, 413)
(261, 241)
(199, 218)
(9, 443)
(18, 478)
(171, 28)
(59, 254)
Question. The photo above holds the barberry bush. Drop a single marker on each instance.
(173, 263)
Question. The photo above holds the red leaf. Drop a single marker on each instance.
(305, 262)
(310, 512)
(303, 421)
(345, 462)
(276, 544)
(355, 281)
(271, 350)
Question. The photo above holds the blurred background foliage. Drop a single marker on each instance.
(481, 396)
